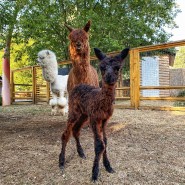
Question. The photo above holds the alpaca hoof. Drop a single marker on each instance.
(110, 170)
(81, 153)
(61, 111)
(53, 113)
(83, 156)
(61, 168)
(95, 175)
(94, 179)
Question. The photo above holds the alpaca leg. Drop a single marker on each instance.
(65, 138)
(62, 94)
(99, 148)
(61, 110)
(54, 110)
(76, 133)
(53, 103)
(62, 102)
(106, 162)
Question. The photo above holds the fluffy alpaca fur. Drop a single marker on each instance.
(58, 83)
(82, 71)
(96, 104)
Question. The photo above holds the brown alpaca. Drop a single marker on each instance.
(82, 71)
(96, 104)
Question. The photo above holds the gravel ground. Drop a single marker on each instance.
(144, 147)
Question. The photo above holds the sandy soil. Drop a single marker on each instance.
(144, 147)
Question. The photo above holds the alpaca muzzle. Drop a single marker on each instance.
(78, 46)
(110, 77)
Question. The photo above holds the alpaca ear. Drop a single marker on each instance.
(123, 54)
(87, 26)
(47, 52)
(100, 55)
(68, 27)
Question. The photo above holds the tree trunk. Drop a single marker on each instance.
(6, 93)
(6, 97)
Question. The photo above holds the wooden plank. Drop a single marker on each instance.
(20, 92)
(33, 85)
(162, 108)
(161, 46)
(132, 78)
(22, 84)
(20, 98)
(163, 98)
(161, 87)
(123, 106)
(12, 89)
(137, 93)
(22, 69)
(123, 88)
(122, 98)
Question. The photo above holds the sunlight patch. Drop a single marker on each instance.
(117, 127)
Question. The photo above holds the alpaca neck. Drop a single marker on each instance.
(81, 62)
(108, 92)
(81, 72)
(49, 74)
(81, 67)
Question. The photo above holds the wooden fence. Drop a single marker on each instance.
(38, 90)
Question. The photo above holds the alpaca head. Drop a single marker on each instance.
(46, 57)
(79, 40)
(110, 66)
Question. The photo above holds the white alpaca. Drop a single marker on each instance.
(58, 83)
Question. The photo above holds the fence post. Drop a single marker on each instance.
(48, 91)
(135, 78)
(12, 89)
(33, 85)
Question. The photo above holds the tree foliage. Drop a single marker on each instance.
(115, 24)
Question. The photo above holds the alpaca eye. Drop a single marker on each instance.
(102, 68)
(116, 68)
(41, 58)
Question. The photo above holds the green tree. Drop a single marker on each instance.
(180, 58)
(114, 23)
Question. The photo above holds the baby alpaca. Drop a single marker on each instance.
(58, 83)
(96, 104)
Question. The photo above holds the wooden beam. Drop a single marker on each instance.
(163, 98)
(122, 98)
(161, 46)
(161, 87)
(12, 87)
(123, 88)
(134, 77)
(33, 85)
(162, 108)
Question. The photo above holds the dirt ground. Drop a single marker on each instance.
(144, 147)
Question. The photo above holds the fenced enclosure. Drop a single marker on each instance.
(148, 82)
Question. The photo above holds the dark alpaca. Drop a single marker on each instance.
(96, 104)
(82, 71)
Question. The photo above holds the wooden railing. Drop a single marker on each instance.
(40, 89)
